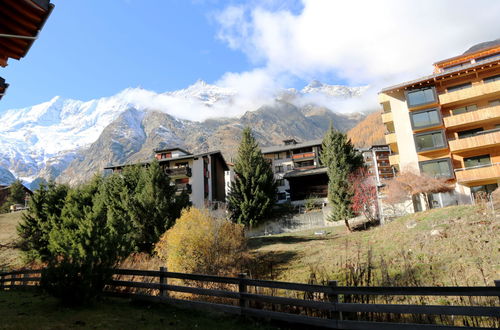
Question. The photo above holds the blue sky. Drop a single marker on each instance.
(95, 48)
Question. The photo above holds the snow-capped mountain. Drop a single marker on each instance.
(6, 178)
(44, 139)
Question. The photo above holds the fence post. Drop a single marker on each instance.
(334, 299)
(242, 288)
(163, 280)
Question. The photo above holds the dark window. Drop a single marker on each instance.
(458, 87)
(306, 163)
(280, 182)
(491, 79)
(421, 96)
(278, 169)
(439, 168)
(465, 109)
(493, 103)
(281, 196)
(468, 133)
(487, 188)
(477, 161)
(277, 155)
(429, 141)
(288, 154)
(426, 118)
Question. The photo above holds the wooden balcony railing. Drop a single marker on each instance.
(178, 171)
(390, 138)
(387, 117)
(304, 155)
(485, 139)
(476, 91)
(394, 159)
(473, 117)
(478, 173)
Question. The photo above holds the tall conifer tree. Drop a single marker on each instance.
(341, 159)
(253, 192)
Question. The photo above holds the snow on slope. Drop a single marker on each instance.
(52, 132)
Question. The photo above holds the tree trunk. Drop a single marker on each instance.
(346, 220)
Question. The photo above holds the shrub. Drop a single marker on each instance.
(199, 243)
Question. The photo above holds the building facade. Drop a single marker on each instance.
(376, 159)
(202, 176)
(448, 124)
(297, 170)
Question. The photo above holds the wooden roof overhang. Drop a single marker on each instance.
(431, 80)
(20, 23)
(3, 87)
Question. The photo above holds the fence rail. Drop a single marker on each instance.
(328, 308)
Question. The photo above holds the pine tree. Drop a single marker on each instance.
(341, 159)
(17, 193)
(253, 192)
(43, 213)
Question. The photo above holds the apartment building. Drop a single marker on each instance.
(297, 170)
(376, 159)
(447, 124)
(201, 175)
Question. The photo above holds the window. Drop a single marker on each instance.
(277, 156)
(306, 163)
(468, 133)
(288, 154)
(425, 118)
(493, 103)
(458, 87)
(280, 182)
(278, 169)
(281, 196)
(430, 140)
(467, 108)
(477, 161)
(491, 79)
(487, 188)
(438, 168)
(289, 167)
(421, 96)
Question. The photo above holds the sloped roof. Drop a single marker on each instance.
(268, 150)
(482, 46)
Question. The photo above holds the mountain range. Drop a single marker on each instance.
(69, 140)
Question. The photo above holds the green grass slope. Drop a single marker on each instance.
(451, 246)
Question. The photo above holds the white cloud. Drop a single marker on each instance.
(362, 42)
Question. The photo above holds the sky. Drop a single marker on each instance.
(95, 48)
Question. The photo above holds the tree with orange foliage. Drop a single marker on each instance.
(408, 184)
(364, 199)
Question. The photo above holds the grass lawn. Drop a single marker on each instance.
(31, 310)
(454, 245)
(10, 257)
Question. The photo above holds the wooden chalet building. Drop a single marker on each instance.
(201, 175)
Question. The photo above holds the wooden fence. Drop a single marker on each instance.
(324, 303)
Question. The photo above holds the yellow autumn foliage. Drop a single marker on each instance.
(200, 243)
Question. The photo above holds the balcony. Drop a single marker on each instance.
(387, 117)
(475, 92)
(183, 187)
(391, 138)
(178, 171)
(473, 117)
(485, 139)
(478, 173)
(304, 156)
(394, 159)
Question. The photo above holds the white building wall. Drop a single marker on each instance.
(196, 180)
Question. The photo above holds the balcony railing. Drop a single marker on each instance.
(484, 139)
(477, 116)
(390, 138)
(387, 117)
(183, 187)
(394, 159)
(478, 173)
(178, 171)
(476, 91)
(304, 155)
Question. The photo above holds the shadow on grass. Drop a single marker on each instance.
(258, 242)
(266, 265)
